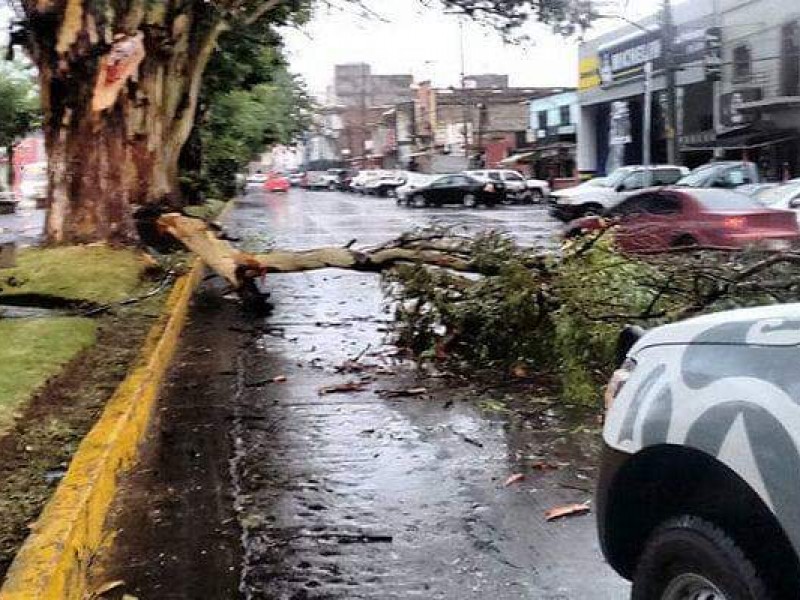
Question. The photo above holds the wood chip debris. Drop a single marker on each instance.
(262, 383)
(544, 465)
(343, 388)
(515, 478)
(570, 510)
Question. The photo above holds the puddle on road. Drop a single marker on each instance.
(356, 495)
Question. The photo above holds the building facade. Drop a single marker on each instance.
(483, 126)
(611, 91)
(749, 109)
(553, 123)
(759, 95)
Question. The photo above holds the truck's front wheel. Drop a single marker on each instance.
(688, 558)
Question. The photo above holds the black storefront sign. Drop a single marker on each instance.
(626, 60)
(730, 115)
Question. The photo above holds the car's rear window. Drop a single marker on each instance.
(725, 200)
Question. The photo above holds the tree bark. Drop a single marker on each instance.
(107, 159)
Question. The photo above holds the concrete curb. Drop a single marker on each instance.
(54, 560)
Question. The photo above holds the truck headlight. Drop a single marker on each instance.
(618, 381)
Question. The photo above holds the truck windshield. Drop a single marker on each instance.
(616, 178)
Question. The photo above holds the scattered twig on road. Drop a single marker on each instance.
(342, 388)
(409, 393)
(515, 478)
(265, 382)
(570, 510)
(466, 438)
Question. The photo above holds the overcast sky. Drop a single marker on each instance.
(412, 38)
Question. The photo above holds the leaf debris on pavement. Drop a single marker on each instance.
(569, 510)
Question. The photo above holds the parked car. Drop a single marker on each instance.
(33, 181)
(333, 178)
(457, 189)
(517, 188)
(539, 189)
(277, 182)
(296, 179)
(315, 180)
(786, 197)
(256, 179)
(385, 184)
(660, 219)
(595, 199)
(360, 180)
(727, 174)
(699, 488)
(413, 181)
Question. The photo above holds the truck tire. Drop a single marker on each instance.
(536, 196)
(688, 557)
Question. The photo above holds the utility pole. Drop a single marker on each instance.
(647, 122)
(466, 111)
(667, 47)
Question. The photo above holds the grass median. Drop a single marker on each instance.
(58, 367)
(34, 350)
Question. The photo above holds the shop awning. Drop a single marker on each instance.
(556, 150)
(517, 158)
(747, 138)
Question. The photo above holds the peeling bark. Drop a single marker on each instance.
(116, 114)
(119, 93)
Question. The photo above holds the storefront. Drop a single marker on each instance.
(612, 92)
(553, 123)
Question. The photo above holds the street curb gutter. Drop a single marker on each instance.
(54, 560)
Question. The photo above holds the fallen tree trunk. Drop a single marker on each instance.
(238, 268)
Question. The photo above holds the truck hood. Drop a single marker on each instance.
(583, 195)
(776, 325)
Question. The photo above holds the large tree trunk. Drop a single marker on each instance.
(113, 151)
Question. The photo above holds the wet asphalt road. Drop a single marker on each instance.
(25, 226)
(351, 495)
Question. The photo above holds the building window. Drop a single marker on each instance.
(790, 59)
(742, 63)
(566, 115)
(542, 119)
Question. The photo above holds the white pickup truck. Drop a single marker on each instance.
(586, 200)
(699, 491)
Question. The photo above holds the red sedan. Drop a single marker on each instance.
(658, 220)
(277, 183)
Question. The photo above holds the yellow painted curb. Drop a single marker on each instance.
(53, 562)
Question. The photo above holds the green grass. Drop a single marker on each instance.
(96, 274)
(32, 351)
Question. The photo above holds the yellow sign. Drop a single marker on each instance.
(589, 73)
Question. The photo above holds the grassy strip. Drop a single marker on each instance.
(97, 274)
(39, 445)
(33, 351)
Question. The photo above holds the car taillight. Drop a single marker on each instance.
(735, 222)
(618, 381)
